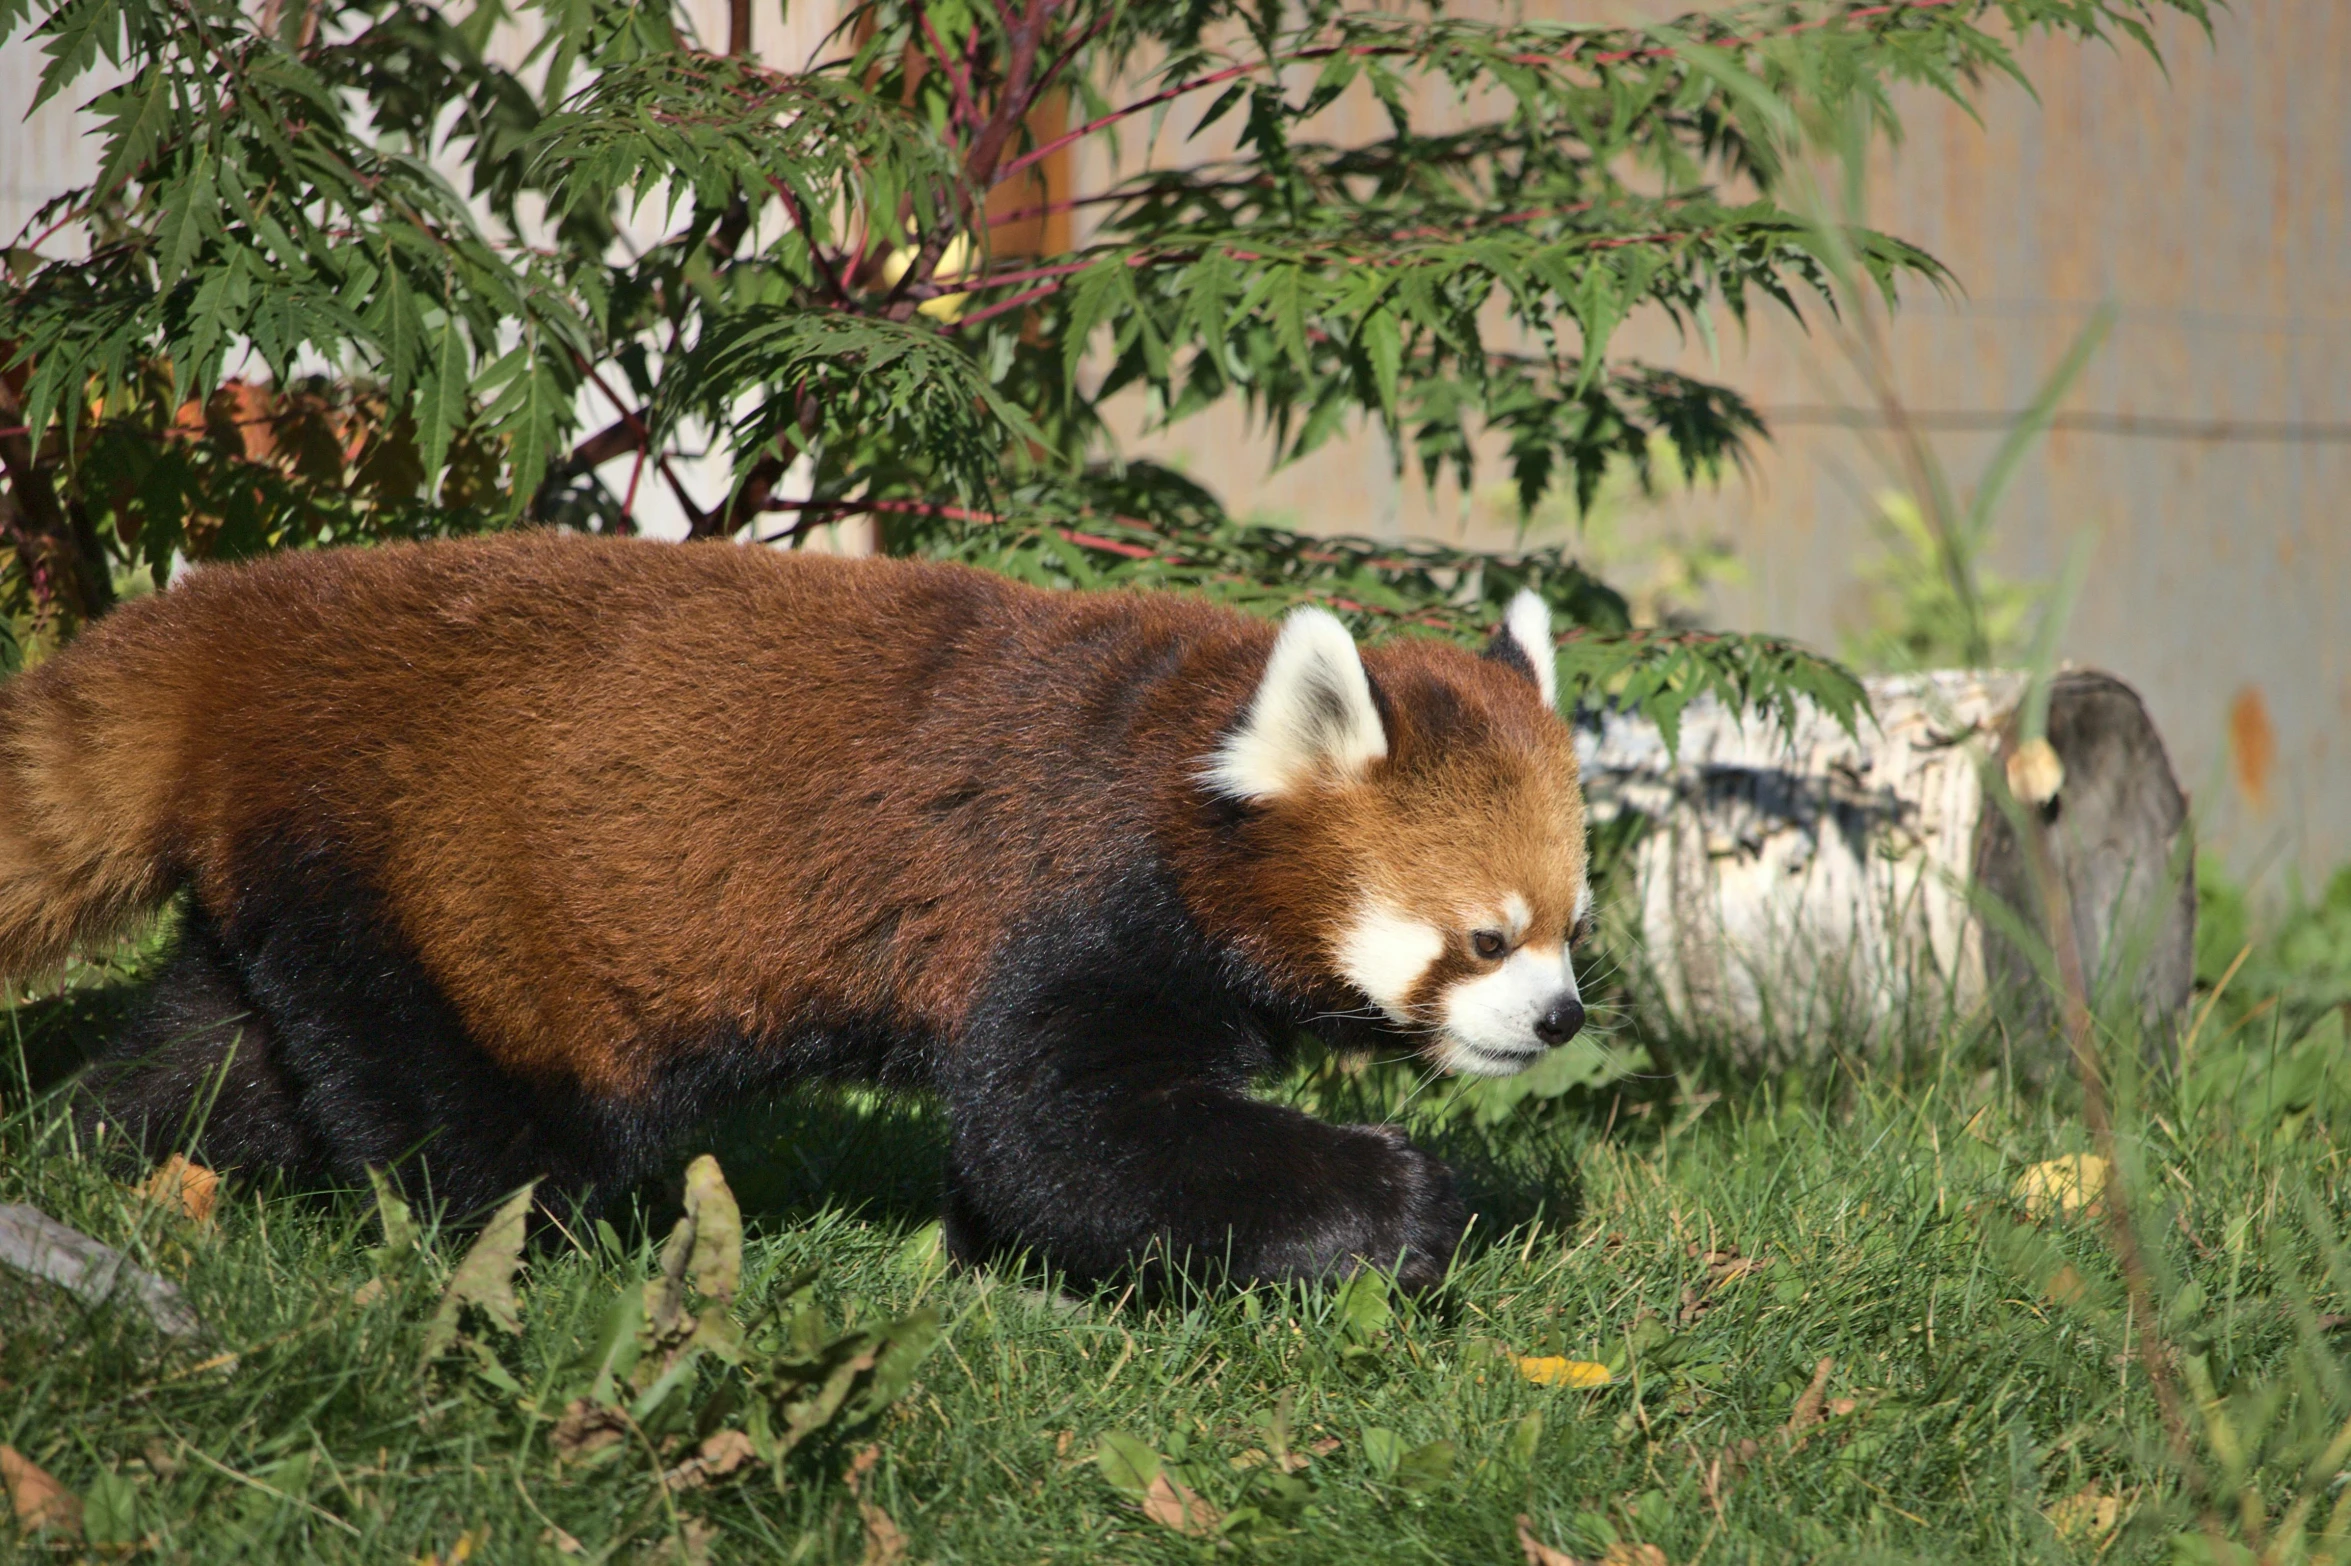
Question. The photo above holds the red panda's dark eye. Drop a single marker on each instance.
(1488, 944)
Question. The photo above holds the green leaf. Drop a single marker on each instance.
(76, 32)
(1362, 1308)
(441, 401)
(1425, 1467)
(485, 1279)
(133, 135)
(189, 218)
(393, 1217)
(110, 1512)
(1127, 1463)
(1526, 1438)
(1383, 349)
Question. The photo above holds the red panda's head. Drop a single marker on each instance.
(1419, 811)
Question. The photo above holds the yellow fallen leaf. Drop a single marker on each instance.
(459, 1553)
(1550, 1370)
(2084, 1517)
(2063, 1187)
(187, 1188)
(41, 1503)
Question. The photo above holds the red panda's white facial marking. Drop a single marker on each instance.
(1497, 1022)
(1488, 992)
(1385, 953)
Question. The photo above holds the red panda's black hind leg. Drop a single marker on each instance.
(347, 1058)
(196, 1071)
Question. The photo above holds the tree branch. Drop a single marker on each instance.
(1013, 103)
(967, 111)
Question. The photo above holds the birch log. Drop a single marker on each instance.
(1790, 889)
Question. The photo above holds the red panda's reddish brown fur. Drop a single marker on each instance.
(627, 804)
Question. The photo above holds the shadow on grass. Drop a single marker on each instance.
(50, 1039)
(877, 1156)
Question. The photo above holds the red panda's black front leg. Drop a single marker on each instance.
(1098, 1178)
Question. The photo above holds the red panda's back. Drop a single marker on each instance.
(623, 798)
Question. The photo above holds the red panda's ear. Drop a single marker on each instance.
(1523, 641)
(1313, 715)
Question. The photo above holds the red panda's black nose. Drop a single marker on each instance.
(1562, 1022)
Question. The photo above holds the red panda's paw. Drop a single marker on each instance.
(1418, 1234)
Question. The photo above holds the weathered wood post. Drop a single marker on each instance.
(1794, 890)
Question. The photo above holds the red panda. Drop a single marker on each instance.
(515, 857)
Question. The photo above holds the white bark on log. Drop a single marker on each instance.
(1797, 891)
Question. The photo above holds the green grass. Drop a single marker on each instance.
(1976, 1375)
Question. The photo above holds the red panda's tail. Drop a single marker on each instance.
(86, 762)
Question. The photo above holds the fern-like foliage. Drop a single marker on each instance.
(273, 207)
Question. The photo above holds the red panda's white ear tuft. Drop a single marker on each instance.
(1312, 714)
(1523, 640)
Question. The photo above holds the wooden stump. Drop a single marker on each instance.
(1793, 892)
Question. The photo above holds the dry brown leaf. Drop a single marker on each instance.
(884, 1544)
(40, 1502)
(2067, 1287)
(690, 1545)
(2064, 1187)
(369, 1292)
(1625, 1554)
(1808, 1404)
(1172, 1505)
(720, 1454)
(726, 1450)
(186, 1188)
(586, 1428)
(560, 1541)
(1537, 1552)
(2084, 1517)
(1324, 1447)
